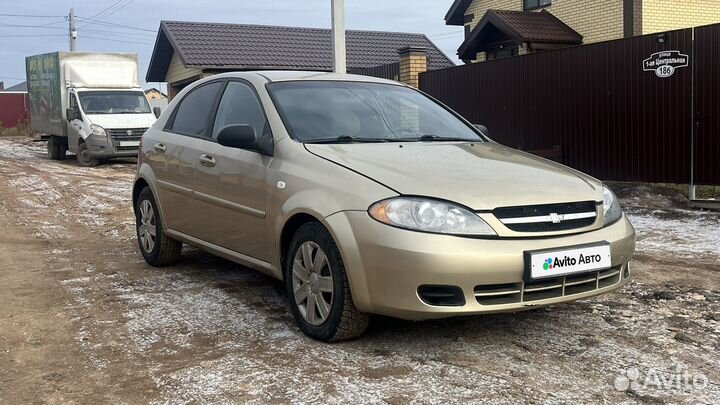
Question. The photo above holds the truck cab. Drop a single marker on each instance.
(106, 123)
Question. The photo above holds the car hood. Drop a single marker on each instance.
(123, 121)
(481, 176)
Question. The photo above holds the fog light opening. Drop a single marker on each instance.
(442, 295)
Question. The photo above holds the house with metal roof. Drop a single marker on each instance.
(497, 29)
(502, 33)
(187, 51)
(20, 87)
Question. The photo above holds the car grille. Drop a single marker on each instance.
(513, 293)
(548, 217)
(126, 135)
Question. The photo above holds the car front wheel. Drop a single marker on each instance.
(84, 158)
(318, 287)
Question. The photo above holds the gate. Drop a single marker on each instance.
(706, 162)
(614, 114)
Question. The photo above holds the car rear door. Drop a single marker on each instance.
(174, 152)
(231, 183)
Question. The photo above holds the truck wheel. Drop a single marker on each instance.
(318, 287)
(83, 156)
(156, 247)
(56, 149)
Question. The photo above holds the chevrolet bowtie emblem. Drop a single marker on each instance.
(556, 219)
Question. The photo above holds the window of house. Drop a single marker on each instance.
(191, 116)
(467, 31)
(505, 52)
(536, 4)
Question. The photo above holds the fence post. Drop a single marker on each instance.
(413, 61)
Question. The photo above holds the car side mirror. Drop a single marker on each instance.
(72, 114)
(157, 111)
(238, 136)
(483, 129)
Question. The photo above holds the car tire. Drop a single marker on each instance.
(332, 316)
(55, 148)
(158, 249)
(83, 156)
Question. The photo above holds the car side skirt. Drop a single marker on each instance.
(239, 258)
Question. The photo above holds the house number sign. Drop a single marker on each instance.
(665, 63)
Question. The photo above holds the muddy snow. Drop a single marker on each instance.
(84, 320)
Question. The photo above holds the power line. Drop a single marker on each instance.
(117, 40)
(116, 25)
(117, 9)
(448, 34)
(32, 26)
(31, 16)
(10, 78)
(134, 34)
(106, 9)
(30, 35)
(100, 15)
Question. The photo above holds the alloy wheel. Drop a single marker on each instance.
(312, 283)
(147, 230)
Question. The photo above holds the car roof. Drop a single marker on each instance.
(303, 75)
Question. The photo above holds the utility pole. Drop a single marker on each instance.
(338, 36)
(72, 32)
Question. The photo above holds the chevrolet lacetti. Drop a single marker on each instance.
(366, 196)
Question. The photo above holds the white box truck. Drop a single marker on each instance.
(88, 103)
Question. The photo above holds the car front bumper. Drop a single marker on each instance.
(387, 265)
(102, 147)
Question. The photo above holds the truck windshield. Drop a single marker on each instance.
(355, 112)
(114, 102)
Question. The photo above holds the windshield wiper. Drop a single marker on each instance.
(435, 138)
(346, 139)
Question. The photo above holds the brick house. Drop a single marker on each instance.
(188, 51)
(502, 28)
(155, 94)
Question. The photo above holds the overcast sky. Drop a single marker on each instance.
(21, 36)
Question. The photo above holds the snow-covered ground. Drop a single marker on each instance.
(207, 331)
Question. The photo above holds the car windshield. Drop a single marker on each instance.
(339, 111)
(114, 102)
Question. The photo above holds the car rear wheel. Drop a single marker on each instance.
(156, 247)
(84, 158)
(55, 148)
(318, 288)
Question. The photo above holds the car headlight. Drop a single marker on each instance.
(97, 130)
(426, 215)
(611, 206)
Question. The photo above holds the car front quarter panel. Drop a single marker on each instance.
(302, 183)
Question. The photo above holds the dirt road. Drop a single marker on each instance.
(83, 320)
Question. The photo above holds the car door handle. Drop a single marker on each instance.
(207, 160)
(160, 148)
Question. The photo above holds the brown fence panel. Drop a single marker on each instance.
(390, 71)
(707, 105)
(613, 119)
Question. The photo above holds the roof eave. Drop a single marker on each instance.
(456, 13)
(490, 18)
(162, 58)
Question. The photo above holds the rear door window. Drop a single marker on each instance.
(193, 113)
(240, 106)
